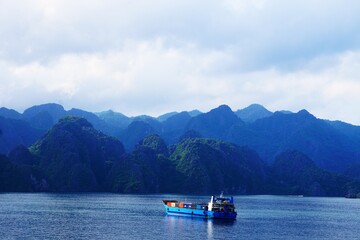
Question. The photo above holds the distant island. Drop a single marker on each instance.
(249, 151)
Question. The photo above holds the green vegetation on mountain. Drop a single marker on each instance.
(144, 170)
(156, 143)
(332, 145)
(75, 156)
(182, 153)
(210, 165)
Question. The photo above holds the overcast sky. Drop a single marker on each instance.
(157, 56)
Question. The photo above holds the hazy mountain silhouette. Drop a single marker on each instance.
(114, 119)
(48, 114)
(327, 146)
(14, 132)
(136, 131)
(215, 124)
(295, 172)
(253, 113)
(165, 116)
(10, 113)
(332, 145)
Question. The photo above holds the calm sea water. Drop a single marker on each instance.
(112, 216)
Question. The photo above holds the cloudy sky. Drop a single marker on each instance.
(156, 56)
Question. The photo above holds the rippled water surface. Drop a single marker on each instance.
(112, 216)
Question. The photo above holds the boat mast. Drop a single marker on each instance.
(210, 205)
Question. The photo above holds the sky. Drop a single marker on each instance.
(157, 56)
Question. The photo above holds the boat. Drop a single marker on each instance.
(217, 208)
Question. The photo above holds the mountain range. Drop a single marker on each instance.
(250, 151)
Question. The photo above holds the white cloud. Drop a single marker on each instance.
(157, 56)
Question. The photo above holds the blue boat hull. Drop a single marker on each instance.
(176, 211)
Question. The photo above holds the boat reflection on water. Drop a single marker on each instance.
(213, 224)
(177, 223)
